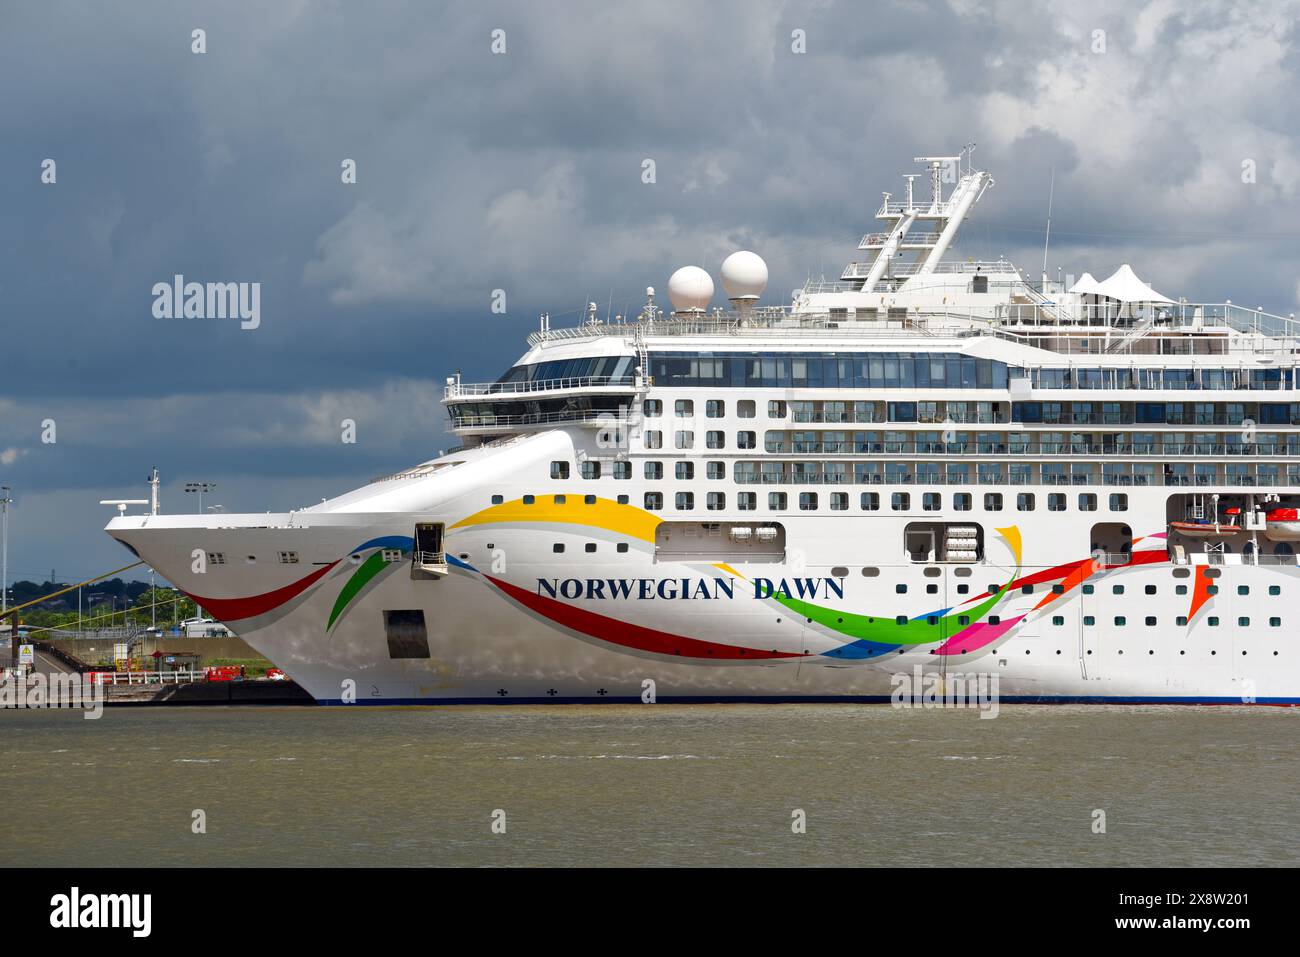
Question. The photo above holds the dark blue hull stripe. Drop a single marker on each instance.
(812, 699)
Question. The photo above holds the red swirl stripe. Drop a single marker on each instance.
(627, 634)
(236, 609)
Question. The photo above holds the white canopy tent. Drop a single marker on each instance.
(1086, 286)
(1124, 285)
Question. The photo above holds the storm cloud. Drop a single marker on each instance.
(522, 171)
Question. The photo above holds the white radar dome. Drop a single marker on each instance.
(690, 288)
(744, 275)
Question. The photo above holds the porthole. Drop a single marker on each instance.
(839, 571)
(1182, 572)
(932, 572)
(870, 572)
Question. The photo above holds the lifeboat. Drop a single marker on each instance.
(1213, 529)
(1282, 525)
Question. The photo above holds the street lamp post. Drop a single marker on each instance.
(5, 500)
(200, 487)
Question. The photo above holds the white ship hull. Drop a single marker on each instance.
(498, 635)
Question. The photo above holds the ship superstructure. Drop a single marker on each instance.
(1087, 489)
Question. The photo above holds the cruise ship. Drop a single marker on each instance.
(930, 466)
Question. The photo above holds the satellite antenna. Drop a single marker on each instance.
(122, 503)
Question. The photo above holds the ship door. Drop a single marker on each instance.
(1089, 630)
(428, 561)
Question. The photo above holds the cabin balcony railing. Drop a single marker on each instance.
(485, 420)
(1019, 449)
(457, 390)
(1078, 481)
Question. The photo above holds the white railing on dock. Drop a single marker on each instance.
(149, 677)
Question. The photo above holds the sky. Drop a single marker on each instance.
(502, 146)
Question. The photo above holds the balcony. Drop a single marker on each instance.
(458, 390)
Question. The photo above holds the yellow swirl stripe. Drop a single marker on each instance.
(574, 510)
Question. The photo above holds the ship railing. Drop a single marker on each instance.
(1055, 449)
(1239, 558)
(859, 270)
(986, 478)
(922, 210)
(149, 677)
(459, 389)
(871, 240)
(464, 420)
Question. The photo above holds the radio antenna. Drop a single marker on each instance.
(1051, 190)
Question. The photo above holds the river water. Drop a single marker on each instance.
(651, 785)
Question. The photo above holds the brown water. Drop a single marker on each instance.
(653, 784)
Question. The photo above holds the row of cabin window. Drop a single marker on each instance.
(1089, 620)
(809, 501)
(713, 439)
(557, 499)
(1146, 590)
(870, 501)
(589, 547)
(963, 588)
(1181, 620)
(1172, 413)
